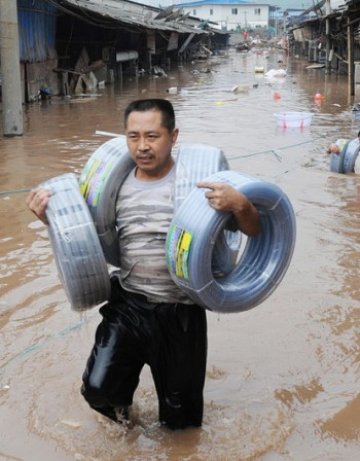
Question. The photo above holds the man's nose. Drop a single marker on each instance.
(143, 145)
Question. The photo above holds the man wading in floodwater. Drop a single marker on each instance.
(148, 318)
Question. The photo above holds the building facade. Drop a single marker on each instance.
(231, 15)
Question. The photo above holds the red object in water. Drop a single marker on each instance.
(276, 95)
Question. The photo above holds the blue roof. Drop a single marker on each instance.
(214, 2)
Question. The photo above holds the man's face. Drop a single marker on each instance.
(150, 144)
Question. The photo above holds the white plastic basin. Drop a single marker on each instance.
(293, 119)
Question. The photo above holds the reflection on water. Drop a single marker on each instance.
(278, 375)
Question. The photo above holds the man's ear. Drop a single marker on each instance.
(174, 135)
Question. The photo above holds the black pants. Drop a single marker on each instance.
(170, 338)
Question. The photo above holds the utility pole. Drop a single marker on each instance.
(12, 113)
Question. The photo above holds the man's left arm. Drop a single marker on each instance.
(223, 197)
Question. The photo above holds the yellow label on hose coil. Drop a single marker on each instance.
(92, 182)
(178, 250)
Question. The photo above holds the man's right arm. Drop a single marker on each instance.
(37, 201)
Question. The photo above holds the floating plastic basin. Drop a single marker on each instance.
(293, 119)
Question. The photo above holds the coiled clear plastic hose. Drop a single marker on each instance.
(265, 258)
(77, 250)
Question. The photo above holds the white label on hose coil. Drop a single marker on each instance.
(177, 251)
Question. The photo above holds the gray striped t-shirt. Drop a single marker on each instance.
(144, 210)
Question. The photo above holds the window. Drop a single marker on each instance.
(194, 12)
(257, 11)
(211, 11)
(234, 11)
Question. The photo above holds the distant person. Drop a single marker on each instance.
(148, 319)
(337, 147)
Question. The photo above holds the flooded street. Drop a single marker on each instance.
(282, 378)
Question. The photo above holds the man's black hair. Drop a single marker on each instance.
(162, 105)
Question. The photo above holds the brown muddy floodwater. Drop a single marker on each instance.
(283, 378)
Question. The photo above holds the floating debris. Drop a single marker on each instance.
(315, 66)
(73, 424)
(172, 90)
(240, 89)
(276, 95)
(276, 73)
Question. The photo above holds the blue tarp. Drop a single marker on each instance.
(37, 29)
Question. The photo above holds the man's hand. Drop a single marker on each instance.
(223, 197)
(37, 201)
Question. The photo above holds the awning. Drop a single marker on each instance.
(128, 13)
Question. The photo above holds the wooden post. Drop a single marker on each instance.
(350, 46)
(121, 73)
(150, 63)
(327, 35)
(12, 112)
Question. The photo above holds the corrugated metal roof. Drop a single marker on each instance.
(37, 27)
(130, 13)
(337, 4)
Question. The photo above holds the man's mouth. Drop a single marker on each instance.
(144, 157)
